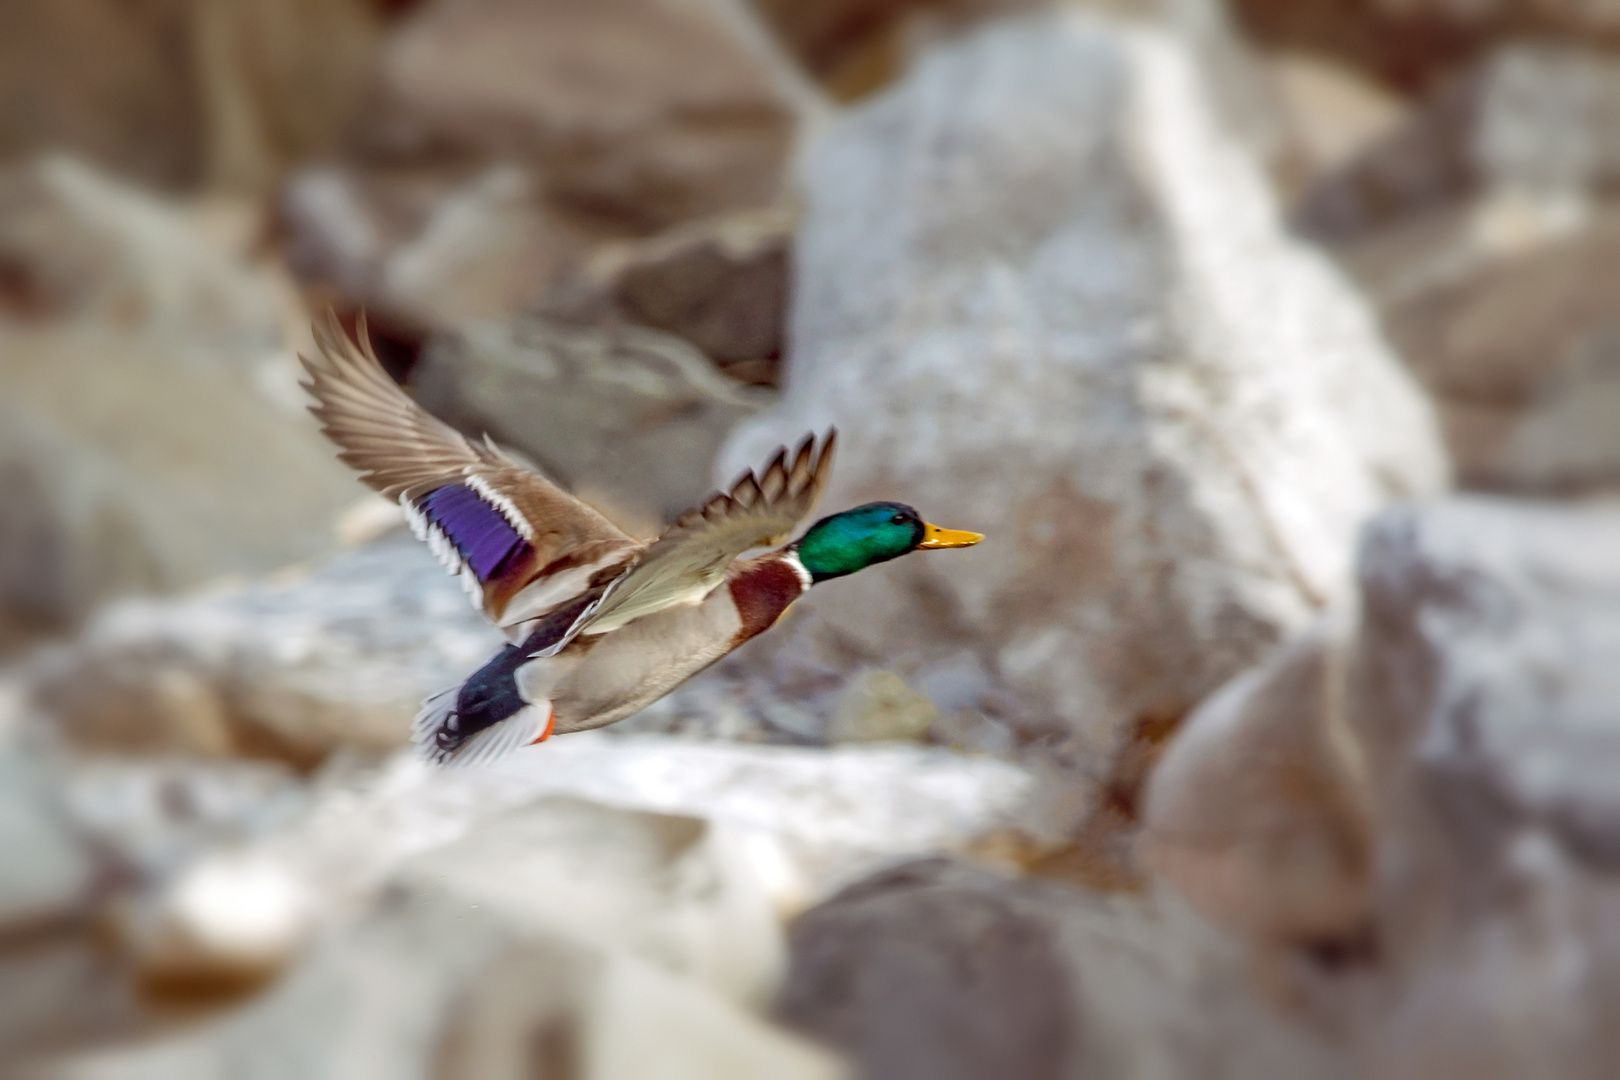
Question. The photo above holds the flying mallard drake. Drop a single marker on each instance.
(600, 624)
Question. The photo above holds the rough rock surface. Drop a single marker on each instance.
(1086, 335)
(78, 243)
(853, 47)
(292, 668)
(1509, 324)
(48, 872)
(806, 819)
(1416, 44)
(1534, 120)
(1258, 813)
(151, 435)
(430, 982)
(720, 284)
(1487, 702)
(172, 93)
(936, 969)
(1483, 231)
(636, 113)
(627, 416)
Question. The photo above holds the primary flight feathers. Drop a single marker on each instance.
(523, 546)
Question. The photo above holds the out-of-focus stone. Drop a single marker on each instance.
(280, 81)
(1257, 814)
(1100, 349)
(803, 819)
(878, 706)
(133, 463)
(634, 415)
(1486, 698)
(674, 891)
(426, 984)
(289, 669)
(1504, 315)
(853, 47)
(1536, 121)
(637, 114)
(48, 873)
(173, 93)
(487, 251)
(1416, 44)
(153, 436)
(721, 285)
(934, 970)
(1481, 232)
(1330, 113)
(940, 970)
(78, 244)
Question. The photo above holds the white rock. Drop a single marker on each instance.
(804, 819)
(427, 985)
(1044, 296)
(1258, 813)
(290, 667)
(48, 872)
(1487, 700)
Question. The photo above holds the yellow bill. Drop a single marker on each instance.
(936, 537)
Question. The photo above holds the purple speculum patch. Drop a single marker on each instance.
(478, 530)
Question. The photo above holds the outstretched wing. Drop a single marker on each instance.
(690, 558)
(521, 545)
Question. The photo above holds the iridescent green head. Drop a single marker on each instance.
(870, 534)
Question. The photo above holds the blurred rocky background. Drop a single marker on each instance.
(1273, 732)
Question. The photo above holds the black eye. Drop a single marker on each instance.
(898, 519)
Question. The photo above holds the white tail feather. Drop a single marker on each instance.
(491, 744)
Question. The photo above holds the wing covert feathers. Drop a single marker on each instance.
(692, 555)
(507, 530)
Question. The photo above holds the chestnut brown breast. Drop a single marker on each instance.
(762, 591)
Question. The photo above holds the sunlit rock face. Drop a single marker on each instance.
(1045, 296)
(1487, 702)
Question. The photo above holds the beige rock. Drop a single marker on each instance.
(1331, 112)
(1258, 812)
(633, 113)
(425, 984)
(289, 669)
(1506, 319)
(720, 284)
(85, 246)
(488, 249)
(935, 970)
(173, 93)
(853, 48)
(1484, 696)
(632, 414)
(135, 463)
(800, 820)
(878, 706)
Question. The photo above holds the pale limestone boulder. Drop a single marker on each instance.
(1044, 295)
(289, 668)
(152, 434)
(627, 416)
(938, 970)
(636, 114)
(1258, 813)
(429, 982)
(1486, 697)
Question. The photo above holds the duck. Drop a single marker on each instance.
(598, 624)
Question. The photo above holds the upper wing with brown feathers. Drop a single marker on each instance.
(690, 558)
(521, 545)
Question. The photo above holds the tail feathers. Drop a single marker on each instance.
(436, 732)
